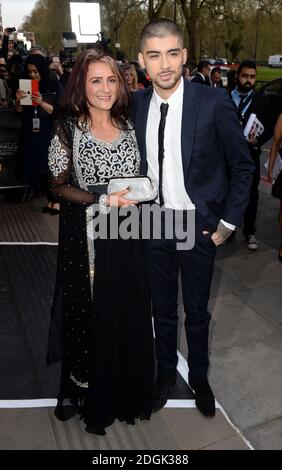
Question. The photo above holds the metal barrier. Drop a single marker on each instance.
(11, 188)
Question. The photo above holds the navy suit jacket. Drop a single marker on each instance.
(217, 165)
(198, 78)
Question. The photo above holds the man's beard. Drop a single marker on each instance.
(246, 87)
(171, 84)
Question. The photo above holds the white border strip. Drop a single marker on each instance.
(180, 404)
(45, 402)
(29, 243)
(52, 402)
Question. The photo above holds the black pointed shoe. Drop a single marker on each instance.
(204, 397)
(64, 413)
(162, 387)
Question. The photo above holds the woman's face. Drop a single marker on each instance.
(102, 86)
(33, 72)
(128, 77)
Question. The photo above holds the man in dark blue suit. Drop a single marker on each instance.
(191, 143)
(203, 74)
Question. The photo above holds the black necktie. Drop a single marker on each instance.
(241, 105)
(164, 109)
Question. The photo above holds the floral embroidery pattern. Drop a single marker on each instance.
(99, 161)
(57, 158)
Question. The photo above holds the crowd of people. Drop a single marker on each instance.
(93, 119)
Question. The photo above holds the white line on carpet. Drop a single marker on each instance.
(29, 243)
(52, 402)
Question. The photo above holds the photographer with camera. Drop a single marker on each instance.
(20, 49)
(68, 65)
(4, 49)
(55, 67)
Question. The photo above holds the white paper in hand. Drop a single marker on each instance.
(25, 85)
(253, 127)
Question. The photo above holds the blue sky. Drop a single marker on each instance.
(13, 11)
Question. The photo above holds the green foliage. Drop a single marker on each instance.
(267, 73)
(236, 46)
(48, 20)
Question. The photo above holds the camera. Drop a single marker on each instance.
(10, 30)
(20, 49)
(68, 63)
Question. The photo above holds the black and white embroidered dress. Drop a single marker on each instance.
(101, 326)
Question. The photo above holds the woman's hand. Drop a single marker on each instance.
(117, 199)
(269, 176)
(37, 98)
(20, 94)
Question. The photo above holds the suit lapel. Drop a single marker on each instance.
(141, 124)
(189, 119)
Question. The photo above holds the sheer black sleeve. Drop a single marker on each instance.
(60, 165)
(54, 96)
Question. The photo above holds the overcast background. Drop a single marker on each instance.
(14, 11)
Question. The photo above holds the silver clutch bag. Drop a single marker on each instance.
(142, 188)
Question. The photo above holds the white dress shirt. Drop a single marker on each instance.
(174, 191)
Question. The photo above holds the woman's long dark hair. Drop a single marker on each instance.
(40, 63)
(75, 103)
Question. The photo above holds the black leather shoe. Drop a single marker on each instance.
(54, 211)
(94, 430)
(162, 387)
(46, 210)
(204, 397)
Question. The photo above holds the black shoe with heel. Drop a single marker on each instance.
(54, 211)
(94, 430)
(46, 210)
(64, 412)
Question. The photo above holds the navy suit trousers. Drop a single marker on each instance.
(164, 263)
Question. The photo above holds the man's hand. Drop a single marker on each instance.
(252, 139)
(221, 234)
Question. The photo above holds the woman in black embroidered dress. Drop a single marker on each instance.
(101, 326)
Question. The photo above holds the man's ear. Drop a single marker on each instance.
(185, 56)
(141, 60)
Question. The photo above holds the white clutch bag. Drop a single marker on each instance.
(142, 188)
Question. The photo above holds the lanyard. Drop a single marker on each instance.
(246, 105)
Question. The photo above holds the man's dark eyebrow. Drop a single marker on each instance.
(170, 50)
